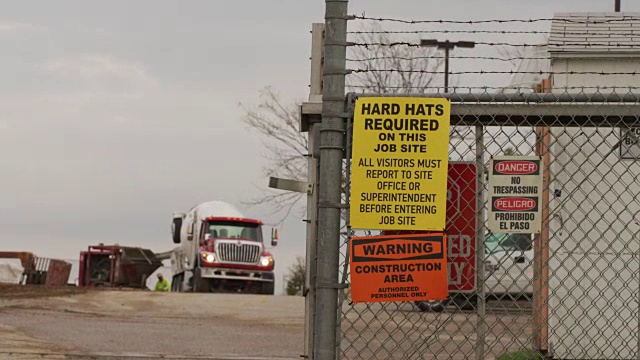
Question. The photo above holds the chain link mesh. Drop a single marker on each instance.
(592, 269)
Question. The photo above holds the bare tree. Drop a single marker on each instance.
(286, 146)
(414, 65)
(277, 121)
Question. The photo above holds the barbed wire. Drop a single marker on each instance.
(404, 58)
(454, 32)
(512, 87)
(506, 59)
(563, 43)
(496, 21)
(502, 32)
(489, 72)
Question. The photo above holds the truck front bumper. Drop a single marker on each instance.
(236, 274)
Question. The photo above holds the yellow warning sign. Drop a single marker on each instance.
(399, 163)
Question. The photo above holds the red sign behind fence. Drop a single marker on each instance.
(461, 226)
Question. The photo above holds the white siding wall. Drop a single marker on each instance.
(593, 305)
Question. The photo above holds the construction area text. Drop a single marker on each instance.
(378, 262)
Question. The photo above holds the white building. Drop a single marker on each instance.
(594, 268)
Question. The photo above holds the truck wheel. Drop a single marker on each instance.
(267, 289)
(180, 285)
(176, 283)
(199, 284)
(435, 306)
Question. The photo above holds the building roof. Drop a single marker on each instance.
(595, 34)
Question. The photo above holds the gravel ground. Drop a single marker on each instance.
(135, 322)
(232, 326)
(13, 292)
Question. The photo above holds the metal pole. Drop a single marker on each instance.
(447, 46)
(617, 5)
(312, 192)
(446, 69)
(481, 321)
(312, 233)
(349, 233)
(544, 242)
(330, 177)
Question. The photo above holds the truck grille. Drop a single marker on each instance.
(234, 253)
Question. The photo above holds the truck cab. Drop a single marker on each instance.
(221, 250)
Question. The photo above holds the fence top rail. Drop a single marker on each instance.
(557, 97)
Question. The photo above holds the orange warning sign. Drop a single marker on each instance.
(399, 268)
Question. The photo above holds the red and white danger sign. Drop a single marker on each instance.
(515, 188)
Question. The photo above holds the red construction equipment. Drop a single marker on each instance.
(116, 266)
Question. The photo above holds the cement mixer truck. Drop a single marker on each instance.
(220, 251)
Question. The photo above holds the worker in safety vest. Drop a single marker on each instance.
(162, 284)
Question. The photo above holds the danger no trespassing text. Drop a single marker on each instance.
(505, 190)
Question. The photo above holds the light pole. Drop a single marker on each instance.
(447, 46)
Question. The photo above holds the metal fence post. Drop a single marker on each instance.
(312, 233)
(348, 231)
(481, 323)
(315, 96)
(330, 177)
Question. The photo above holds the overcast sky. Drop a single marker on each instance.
(115, 114)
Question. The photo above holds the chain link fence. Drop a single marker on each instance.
(570, 292)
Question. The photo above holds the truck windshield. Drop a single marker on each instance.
(507, 242)
(233, 230)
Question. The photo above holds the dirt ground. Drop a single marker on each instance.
(72, 323)
(11, 291)
(75, 323)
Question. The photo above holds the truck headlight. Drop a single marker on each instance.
(266, 261)
(208, 257)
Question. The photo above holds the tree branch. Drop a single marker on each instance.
(277, 122)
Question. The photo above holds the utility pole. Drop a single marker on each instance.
(330, 177)
(447, 46)
(310, 117)
(617, 5)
